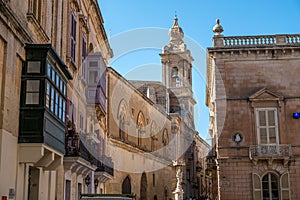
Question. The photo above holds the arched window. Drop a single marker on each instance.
(143, 188)
(122, 116)
(270, 187)
(141, 128)
(153, 133)
(174, 77)
(126, 186)
(122, 127)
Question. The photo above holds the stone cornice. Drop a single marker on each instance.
(11, 20)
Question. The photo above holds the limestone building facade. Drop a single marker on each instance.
(53, 57)
(253, 97)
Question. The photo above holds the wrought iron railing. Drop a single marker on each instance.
(105, 166)
(76, 148)
(273, 151)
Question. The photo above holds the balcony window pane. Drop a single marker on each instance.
(93, 77)
(60, 108)
(53, 76)
(57, 78)
(47, 95)
(263, 136)
(262, 118)
(32, 91)
(64, 111)
(272, 135)
(56, 104)
(32, 98)
(61, 85)
(93, 64)
(33, 66)
(271, 118)
(48, 70)
(52, 100)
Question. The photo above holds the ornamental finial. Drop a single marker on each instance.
(218, 29)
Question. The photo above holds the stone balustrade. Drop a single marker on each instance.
(258, 40)
(269, 151)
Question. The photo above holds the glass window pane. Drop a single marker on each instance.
(48, 70)
(61, 85)
(64, 89)
(32, 85)
(262, 118)
(47, 95)
(271, 117)
(56, 103)
(32, 98)
(64, 111)
(32, 91)
(57, 78)
(53, 75)
(93, 64)
(60, 108)
(263, 135)
(52, 100)
(272, 135)
(93, 77)
(33, 66)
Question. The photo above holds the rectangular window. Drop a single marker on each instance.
(53, 75)
(52, 100)
(61, 85)
(64, 111)
(79, 191)
(83, 56)
(60, 116)
(93, 64)
(64, 89)
(33, 66)
(56, 103)
(47, 95)
(73, 37)
(68, 190)
(32, 91)
(81, 122)
(48, 70)
(93, 75)
(57, 79)
(83, 50)
(267, 125)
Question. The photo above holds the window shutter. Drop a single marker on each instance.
(285, 186)
(257, 195)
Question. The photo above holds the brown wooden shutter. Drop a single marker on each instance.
(285, 186)
(257, 192)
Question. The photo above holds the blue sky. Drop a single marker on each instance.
(138, 30)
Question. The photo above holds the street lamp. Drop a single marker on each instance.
(87, 180)
(96, 182)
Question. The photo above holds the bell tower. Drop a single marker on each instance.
(177, 75)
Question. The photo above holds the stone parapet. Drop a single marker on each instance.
(256, 40)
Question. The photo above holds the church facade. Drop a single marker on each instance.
(253, 97)
(151, 129)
